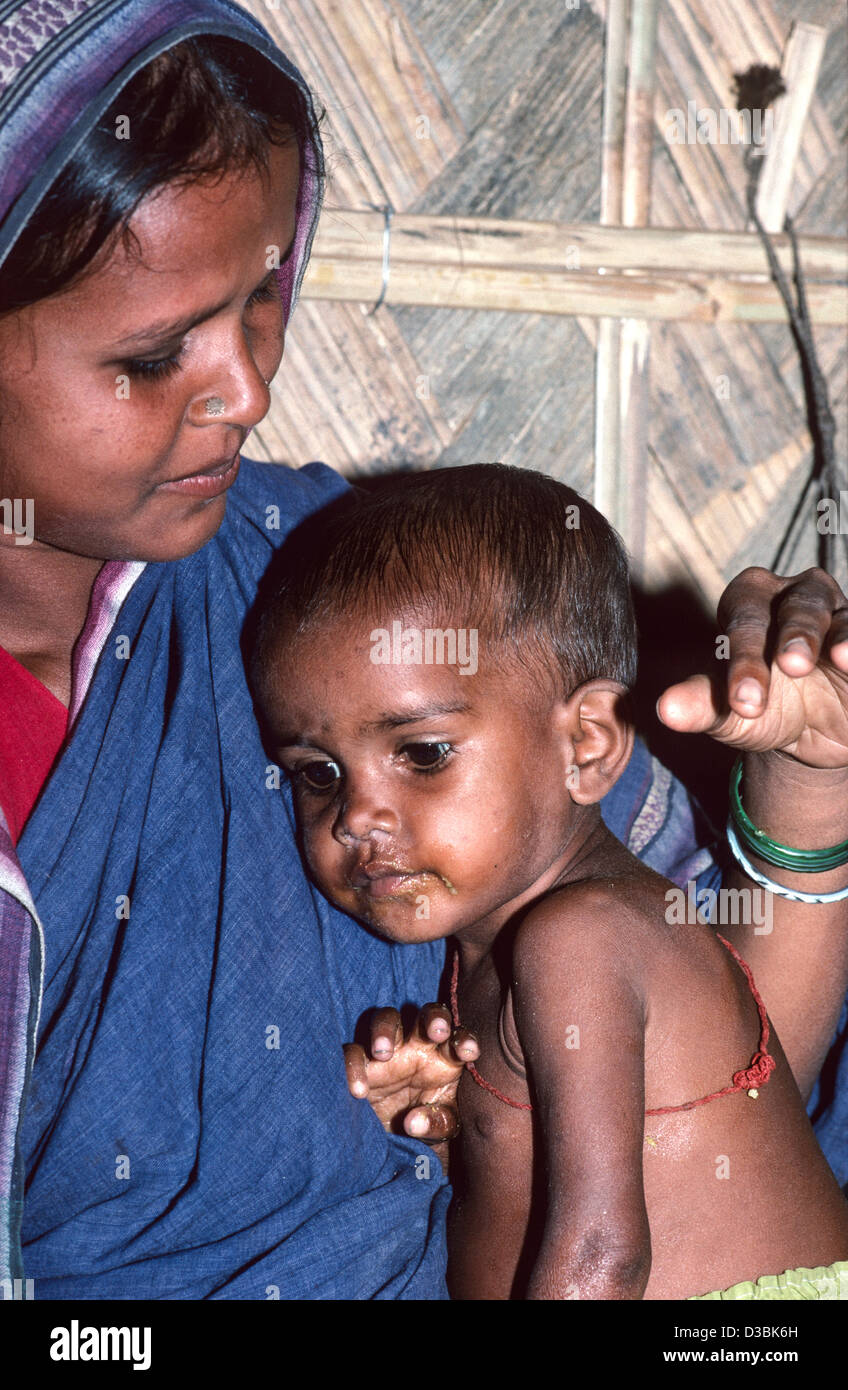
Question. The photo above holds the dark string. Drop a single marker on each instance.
(823, 479)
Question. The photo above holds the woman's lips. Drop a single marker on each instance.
(208, 484)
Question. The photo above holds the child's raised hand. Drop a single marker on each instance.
(784, 684)
(411, 1081)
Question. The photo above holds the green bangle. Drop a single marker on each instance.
(802, 861)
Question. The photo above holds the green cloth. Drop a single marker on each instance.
(824, 1282)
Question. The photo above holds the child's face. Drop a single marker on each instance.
(98, 445)
(428, 800)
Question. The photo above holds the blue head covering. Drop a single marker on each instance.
(62, 63)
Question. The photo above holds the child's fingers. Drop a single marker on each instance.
(386, 1034)
(462, 1047)
(434, 1123)
(434, 1023)
(356, 1066)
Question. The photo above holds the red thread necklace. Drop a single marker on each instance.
(749, 1079)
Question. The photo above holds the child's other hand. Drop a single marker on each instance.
(799, 704)
(411, 1082)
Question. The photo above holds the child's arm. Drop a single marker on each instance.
(581, 1022)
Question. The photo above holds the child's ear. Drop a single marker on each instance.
(600, 737)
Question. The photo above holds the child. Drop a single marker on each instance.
(441, 673)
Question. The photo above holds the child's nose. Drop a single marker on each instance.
(364, 812)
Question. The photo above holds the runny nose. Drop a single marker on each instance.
(364, 815)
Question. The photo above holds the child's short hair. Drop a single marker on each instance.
(513, 553)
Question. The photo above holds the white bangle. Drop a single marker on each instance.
(794, 894)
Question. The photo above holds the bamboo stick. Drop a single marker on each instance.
(607, 439)
(698, 299)
(626, 490)
(800, 68)
(639, 114)
(607, 387)
(426, 240)
(568, 269)
(612, 136)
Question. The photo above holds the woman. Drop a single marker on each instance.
(165, 1142)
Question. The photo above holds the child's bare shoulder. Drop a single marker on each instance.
(574, 961)
(605, 921)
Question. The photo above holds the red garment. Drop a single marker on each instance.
(33, 724)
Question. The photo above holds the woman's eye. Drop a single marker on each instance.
(426, 757)
(158, 367)
(320, 777)
(264, 294)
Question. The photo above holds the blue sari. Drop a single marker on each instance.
(188, 1131)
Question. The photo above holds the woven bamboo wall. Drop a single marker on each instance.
(493, 107)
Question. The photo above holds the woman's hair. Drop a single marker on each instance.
(508, 551)
(200, 109)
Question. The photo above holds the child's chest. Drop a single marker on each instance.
(493, 1164)
(494, 1100)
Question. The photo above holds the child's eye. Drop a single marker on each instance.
(158, 367)
(318, 776)
(427, 757)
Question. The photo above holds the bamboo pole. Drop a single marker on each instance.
(639, 114)
(800, 69)
(608, 348)
(612, 135)
(694, 299)
(426, 240)
(560, 268)
(630, 515)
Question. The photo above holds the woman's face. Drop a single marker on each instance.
(103, 388)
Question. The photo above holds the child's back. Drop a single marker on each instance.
(613, 1012)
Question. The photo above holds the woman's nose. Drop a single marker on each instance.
(235, 393)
